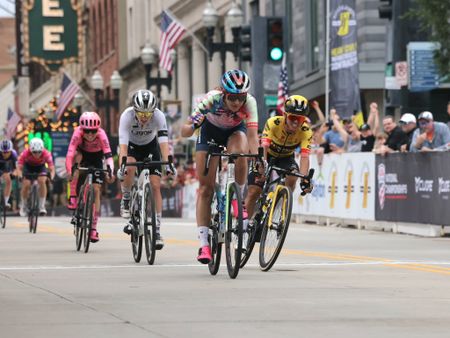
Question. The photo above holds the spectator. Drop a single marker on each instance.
(367, 138)
(320, 117)
(396, 136)
(430, 135)
(408, 124)
(380, 141)
(331, 141)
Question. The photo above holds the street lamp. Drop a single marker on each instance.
(234, 19)
(103, 97)
(149, 58)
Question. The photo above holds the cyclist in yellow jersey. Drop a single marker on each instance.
(281, 136)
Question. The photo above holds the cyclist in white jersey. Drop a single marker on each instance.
(143, 131)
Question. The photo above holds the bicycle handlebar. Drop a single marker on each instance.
(146, 163)
(92, 169)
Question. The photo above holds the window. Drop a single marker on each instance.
(313, 30)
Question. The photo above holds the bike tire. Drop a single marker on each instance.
(251, 232)
(213, 236)
(34, 209)
(234, 231)
(2, 210)
(270, 246)
(79, 229)
(136, 238)
(87, 217)
(149, 223)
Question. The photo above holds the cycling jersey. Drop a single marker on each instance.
(100, 145)
(27, 158)
(283, 144)
(213, 107)
(131, 130)
(8, 164)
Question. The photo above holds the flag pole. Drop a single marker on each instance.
(81, 90)
(173, 17)
(327, 61)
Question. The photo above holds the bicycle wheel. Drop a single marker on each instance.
(136, 238)
(2, 210)
(87, 216)
(275, 230)
(233, 233)
(34, 209)
(149, 223)
(79, 228)
(213, 236)
(251, 240)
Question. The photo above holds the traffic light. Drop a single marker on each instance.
(275, 46)
(385, 9)
(246, 44)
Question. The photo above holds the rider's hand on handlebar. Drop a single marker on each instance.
(121, 174)
(171, 170)
(197, 119)
(306, 186)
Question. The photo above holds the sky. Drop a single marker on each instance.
(9, 5)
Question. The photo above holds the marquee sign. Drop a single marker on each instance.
(52, 32)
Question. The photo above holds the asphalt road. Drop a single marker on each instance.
(328, 282)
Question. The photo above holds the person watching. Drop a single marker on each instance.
(430, 135)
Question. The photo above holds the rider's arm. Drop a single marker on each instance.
(252, 124)
(75, 141)
(187, 130)
(124, 136)
(106, 148)
(165, 152)
(49, 161)
(195, 120)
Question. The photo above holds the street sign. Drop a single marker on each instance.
(423, 72)
(270, 100)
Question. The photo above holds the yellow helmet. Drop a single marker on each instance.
(296, 104)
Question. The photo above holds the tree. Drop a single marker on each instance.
(434, 16)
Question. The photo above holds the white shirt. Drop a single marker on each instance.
(131, 130)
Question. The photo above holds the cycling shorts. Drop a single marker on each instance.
(140, 152)
(92, 160)
(28, 169)
(287, 163)
(209, 132)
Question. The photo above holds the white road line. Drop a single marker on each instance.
(170, 266)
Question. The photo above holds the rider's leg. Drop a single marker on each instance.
(237, 143)
(42, 181)
(7, 192)
(97, 193)
(290, 182)
(155, 182)
(24, 192)
(205, 194)
(254, 192)
(126, 188)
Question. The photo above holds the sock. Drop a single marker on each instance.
(158, 222)
(94, 220)
(42, 202)
(73, 187)
(242, 187)
(126, 193)
(203, 235)
(6, 199)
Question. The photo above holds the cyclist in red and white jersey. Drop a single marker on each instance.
(88, 146)
(34, 161)
(229, 116)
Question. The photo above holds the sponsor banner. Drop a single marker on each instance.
(413, 187)
(343, 187)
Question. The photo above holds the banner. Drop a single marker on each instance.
(413, 187)
(52, 32)
(344, 83)
(343, 187)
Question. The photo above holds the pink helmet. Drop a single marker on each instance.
(90, 120)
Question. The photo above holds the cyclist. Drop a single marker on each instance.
(34, 161)
(143, 131)
(228, 115)
(88, 146)
(281, 136)
(8, 158)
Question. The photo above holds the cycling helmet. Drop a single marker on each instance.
(90, 120)
(36, 145)
(235, 82)
(296, 104)
(144, 101)
(6, 146)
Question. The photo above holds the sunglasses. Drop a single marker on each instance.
(236, 97)
(423, 122)
(36, 152)
(90, 131)
(144, 113)
(294, 117)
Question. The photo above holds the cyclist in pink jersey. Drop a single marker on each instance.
(88, 146)
(33, 161)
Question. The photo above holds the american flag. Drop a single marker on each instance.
(171, 33)
(69, 89)
(283, 87)
(13, 120)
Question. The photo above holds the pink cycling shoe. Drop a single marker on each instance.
(94, 236)
(234, 205)
(72, 205)
(204, 254)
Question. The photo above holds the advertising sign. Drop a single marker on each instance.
(343, 187)
(413, 187)
(52, 32)
(423, 72)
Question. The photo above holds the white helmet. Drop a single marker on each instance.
(144, 101)
(36, 145)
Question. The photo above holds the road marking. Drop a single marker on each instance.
(171, 266)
